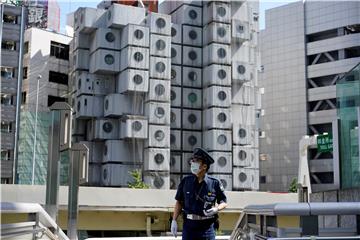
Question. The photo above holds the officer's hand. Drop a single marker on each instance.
(211, 212)
(174, 227)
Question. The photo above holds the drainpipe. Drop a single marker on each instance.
(148, 226)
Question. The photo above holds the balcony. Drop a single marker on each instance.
(332, 44)
(7, 140)
(8, 85)
(8, 113)
(321, 93)
(331, 68)
(11, 31)
(9, 58)
(320, 117)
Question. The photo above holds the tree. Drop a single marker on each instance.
(293, 186)
(137, 180)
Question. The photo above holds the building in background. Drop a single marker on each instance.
(10, 28)
(303, 57)
(43, 14)
(46, 64)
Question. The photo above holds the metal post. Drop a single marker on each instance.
(18, 94)
(35, 131)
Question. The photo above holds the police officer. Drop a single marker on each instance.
(197, 196)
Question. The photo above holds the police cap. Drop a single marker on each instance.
(203, 155)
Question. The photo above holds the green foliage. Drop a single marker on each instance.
(137, 180)
(293, 187)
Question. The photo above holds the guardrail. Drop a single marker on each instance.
(153, 238)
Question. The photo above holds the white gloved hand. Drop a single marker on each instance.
(174, 227)
(211, 212)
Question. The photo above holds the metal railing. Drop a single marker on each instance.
(153, 238)
(39, 224)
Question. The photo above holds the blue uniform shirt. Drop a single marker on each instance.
(197, 197)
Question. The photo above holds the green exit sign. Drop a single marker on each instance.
(324, 143)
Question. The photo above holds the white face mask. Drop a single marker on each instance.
(195, 167)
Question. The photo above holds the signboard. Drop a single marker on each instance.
(324, 143)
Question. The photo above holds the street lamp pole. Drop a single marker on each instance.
(35, 130)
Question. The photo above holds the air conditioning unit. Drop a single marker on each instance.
(160, 68)
(246, 178)
(134, 127)
(160, 46)
(130, 105)
(92, 84)
(104, 62)
(217, 140)
(191, 140)
(216, 96)
(176, 54)
(222, 164)
(81, 41)
(175, 96)
(85, 18)
(175, 140)
(135, 35)
(216, 12)
(80, 60)
(157, 180)
(186, 162)
(134, 57)
(192, 36)
(159, 23)
(217, 75)
(244, 135)
(158, 112)
(220, 118)
(245, 115)
(217, 33)
(103, 129)
(192, 98)
(133, 81)
(192, 77)
(175, 75)
(216, 53)
(156, 159)
(245, 156)
(243, 94)
(120, 151)
(89, 106)
(117, 174)
(176, 34)
(175, 117)
(175, 162)
(105, 38)
(159, 91)
(95, 151)
(188, 15)
(192, 56)
(159, 136)
(94, 172)
(174, 181)
(240, 30)
(226, 181)
(191, 119)
(120, 15)
(242, 72)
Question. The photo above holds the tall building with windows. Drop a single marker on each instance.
(303, 57)
(45, 81)
(10, 27)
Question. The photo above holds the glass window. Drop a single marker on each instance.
(59, 50)
(8, 72)
(5, 155)
(6, 127)
(59, 78)
(25, 72)
(8, 45)
(10, 19)
(6, 100)
(26, 47)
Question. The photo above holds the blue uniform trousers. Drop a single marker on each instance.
(198, 230)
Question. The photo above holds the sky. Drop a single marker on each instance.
(68, 6)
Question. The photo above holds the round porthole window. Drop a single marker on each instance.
(109, 59)
(221, 117)
(192, 76)
(221, 31)
(242, 133)
(192, 35)
(173, 74)
(160, 44)
(158, 182)
(221, 53)
(160, 23)
(138, 79)
(223, 182)
(222, 74)
(159, 135)
(136, 126)
(106, 104)
(221, 11)
(193, 14)
(159, 158)
(160, 67)
(172, 117)
(107, 127)
(192, 118)
(172, 95)
(222, 161)
(222, 95)
(138, 34)
(192, 140)
(242, 155)
(192, 55)
(138, 56)
(242, 177)
(241, 69)
(173, 32)
(221, 139)
(159, 112)
(172, 138)
(159, 89)
(192, 97)
(173, 52)
(110, 37)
